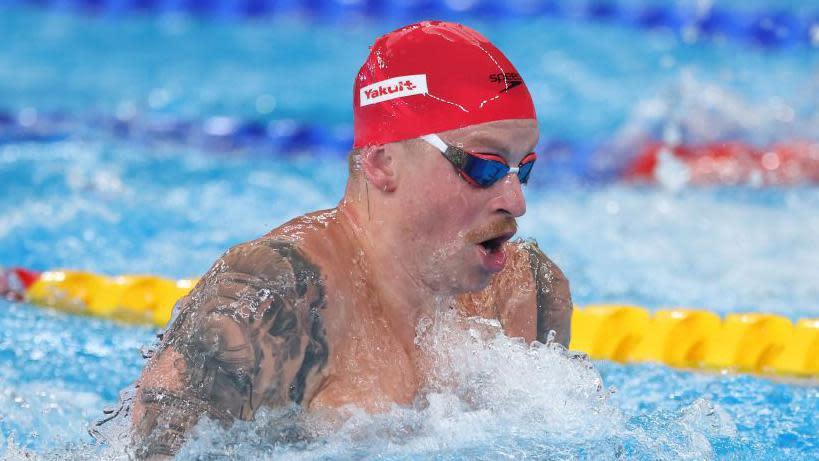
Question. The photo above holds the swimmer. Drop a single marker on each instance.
(322, 311)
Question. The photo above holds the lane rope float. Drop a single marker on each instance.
(788, 162)
(681, 338)
(769, 28)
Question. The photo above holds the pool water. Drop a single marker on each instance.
(94, 201)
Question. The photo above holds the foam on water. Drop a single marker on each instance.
(487, 396)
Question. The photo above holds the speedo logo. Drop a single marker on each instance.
(511, 79)
(396, 87)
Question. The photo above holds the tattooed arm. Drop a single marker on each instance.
(249, 334)
(552, 296)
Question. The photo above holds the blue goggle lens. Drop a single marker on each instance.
(485, 172)
(525, 170)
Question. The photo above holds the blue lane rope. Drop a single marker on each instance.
(566, 160)
(768, 28)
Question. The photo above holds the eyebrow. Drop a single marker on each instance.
(488, 141)
(492, 143)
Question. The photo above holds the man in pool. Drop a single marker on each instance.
(322, 311)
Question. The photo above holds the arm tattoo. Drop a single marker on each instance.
(554, 301)
(249, 334)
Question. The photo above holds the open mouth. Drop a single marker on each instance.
(494, 244)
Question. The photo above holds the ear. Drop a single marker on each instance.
(378, 165)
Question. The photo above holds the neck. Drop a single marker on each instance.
(400, 296)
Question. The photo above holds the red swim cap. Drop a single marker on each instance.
(434, 76)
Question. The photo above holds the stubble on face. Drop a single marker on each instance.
(451, 267)
(502, 226)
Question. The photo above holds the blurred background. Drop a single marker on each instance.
(678, 166)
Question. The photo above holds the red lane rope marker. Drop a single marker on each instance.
(14, 282)
(26, 276)
(734, 162)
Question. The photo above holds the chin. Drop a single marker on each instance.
(456, 276)
(474, 282)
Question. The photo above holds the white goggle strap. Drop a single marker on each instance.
(436, 142)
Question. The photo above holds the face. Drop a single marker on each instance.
(455, 233)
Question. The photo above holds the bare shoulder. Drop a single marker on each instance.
(269, 295)
(530, 296)
(522, 295)
(538, 260)
(249, 334)
(552, 295)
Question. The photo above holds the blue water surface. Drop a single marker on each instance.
(105, 204)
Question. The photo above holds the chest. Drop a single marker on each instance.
(370, 371)
(366, 366)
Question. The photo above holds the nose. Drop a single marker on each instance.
(510, 197)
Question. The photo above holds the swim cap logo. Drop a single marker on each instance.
(396, 87)
(511, 79)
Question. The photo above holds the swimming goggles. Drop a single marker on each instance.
(481, 169)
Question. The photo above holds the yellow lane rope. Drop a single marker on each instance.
(682, 338)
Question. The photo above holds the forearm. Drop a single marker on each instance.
(162, 419)
(166, 405)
